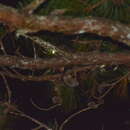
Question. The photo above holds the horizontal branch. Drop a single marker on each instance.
(30, 8)
(31, 23)
(56, 77)
(89, 59)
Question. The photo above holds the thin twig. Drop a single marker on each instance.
(112, 86)
(44, 109)
(41, 125)
(90, 8)
(77, 113)
(9, 93)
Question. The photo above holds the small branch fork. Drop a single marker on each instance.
(90, 107)
(44, 109)
(41, 125)
(11, 109)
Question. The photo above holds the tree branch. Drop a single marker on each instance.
(101, 27)
(89, 59)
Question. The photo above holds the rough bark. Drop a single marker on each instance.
(89, 59)
(30, 23)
